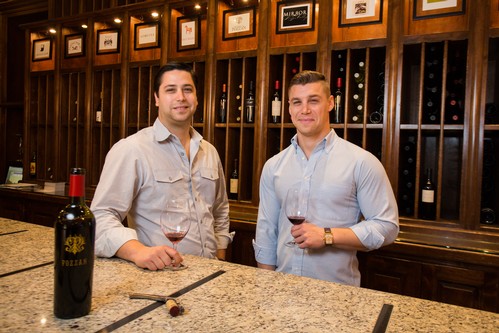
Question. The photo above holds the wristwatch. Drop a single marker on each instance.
(328, 237)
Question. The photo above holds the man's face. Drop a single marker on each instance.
(309, 107)
(176, 99)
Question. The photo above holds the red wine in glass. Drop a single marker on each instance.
(296, 219)
(175, 237)
(175, 221)
(295, 207)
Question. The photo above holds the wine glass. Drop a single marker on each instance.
(296, 208)
(175, 221)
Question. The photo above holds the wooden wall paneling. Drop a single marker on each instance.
(494, 13)
(143, 54)
(236, 44)
(359, 32)
(107, 58)
(435, 25)
(42, 65)
(173, 51)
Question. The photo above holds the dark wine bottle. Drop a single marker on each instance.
(74, 252)
(276, 104)
(338, 100)
(250, 104)
(32, 166)
(222, 110)
(428, 207)
(234, 182)
(98, 111)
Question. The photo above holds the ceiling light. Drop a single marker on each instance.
(154, 14)
(117, 20)
(84, 26)
(52, 31)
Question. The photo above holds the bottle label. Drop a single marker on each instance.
(32, 168)
(233, 185)
(428, 196)
(337, 100)
(98, 116)
(276, 108)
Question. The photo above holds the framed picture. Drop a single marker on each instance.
(74, 45)
(42, 49)
(146, 35)
(358, 12)
(434, 8)
(239, 23)
(108, 41)
(294, 16)
(188, 33)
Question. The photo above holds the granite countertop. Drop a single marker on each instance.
(234, 298)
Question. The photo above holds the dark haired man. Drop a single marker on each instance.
(168, 159)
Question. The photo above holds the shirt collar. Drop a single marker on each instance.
(161, 133)
(326, 143)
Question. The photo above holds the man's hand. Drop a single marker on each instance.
(308, 235)
(152, 258)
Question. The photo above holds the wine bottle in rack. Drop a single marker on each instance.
(338, 102)
(376, 117)
(428, 206)
(407, 176)
(74, 252)
(239, 107)
(32, 165)
(488, 195)
(234, 182)
(98, 111)
(432, 84)
(222, 105)
(250, 104)
(276, 104)
(454, 106)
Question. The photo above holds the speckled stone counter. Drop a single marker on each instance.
(241, 299)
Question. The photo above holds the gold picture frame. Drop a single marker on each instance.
(360, 12)
(435, 8)
(239, 23)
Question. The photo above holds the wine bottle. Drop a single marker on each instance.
(250, 104)
(234, 182)
(74, 252)
(32, 166)
(276, 104)
(338, 100)
(427, 210)
(98, 111)
(222, 111)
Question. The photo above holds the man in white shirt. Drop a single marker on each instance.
(167, 160)
(351, 205)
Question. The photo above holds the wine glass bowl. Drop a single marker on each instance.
(175, 220)
(295, 207)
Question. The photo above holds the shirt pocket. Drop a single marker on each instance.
(208, 173)
(167, 175)
(207, 184)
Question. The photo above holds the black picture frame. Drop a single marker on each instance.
(147, 35)
(365, 12)
(295, 16)
(239, 23)
(41, 49)
(74, 45)
(188, 33)
(108, 41)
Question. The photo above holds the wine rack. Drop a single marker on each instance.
(234, 139)
(490, 176)
(362, 73)
(105, 126)
(41, 123)
(432, 119)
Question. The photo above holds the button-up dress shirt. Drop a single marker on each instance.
(346, 186)
(145, 169)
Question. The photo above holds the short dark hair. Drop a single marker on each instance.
(308, 76)
(174, 65)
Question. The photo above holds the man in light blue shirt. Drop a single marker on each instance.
(351, 205)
